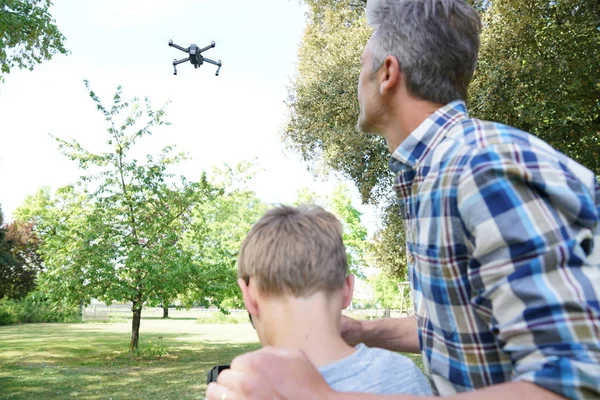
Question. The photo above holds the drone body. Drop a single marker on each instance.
(195, 56)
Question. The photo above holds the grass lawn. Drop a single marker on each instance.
(91, 361)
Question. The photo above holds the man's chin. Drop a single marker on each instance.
(362, 127)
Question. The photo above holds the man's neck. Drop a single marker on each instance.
(406, 116)
(311, 324)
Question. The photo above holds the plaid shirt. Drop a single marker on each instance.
(503, 241)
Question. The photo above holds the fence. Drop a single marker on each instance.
(102, 312)
(378, 313)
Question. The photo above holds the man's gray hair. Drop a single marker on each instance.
(436, 43)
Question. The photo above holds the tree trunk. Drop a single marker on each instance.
(166, 312)
(135, 327)
(386, 313)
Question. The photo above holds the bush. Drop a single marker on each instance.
(6, 317)
(28, 310)
(217, 317)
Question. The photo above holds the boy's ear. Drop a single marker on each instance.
(348, 290)
(249, 298)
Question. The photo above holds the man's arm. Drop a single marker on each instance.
(511, 390)
(395, 334)
(273, 373)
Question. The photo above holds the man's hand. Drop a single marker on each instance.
(395, 334)
(352, 331)
(270, 373)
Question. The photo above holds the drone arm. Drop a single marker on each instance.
(210, 46)
(176, 62)
(208, 60)
(178, 47)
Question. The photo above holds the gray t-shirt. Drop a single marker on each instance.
(377, 371)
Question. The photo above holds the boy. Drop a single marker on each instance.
(292, 271)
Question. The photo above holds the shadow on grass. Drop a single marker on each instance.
(56, 361)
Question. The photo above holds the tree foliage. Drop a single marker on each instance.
(387, 293)
(539, 70)
(117, 234)
(354, 233)
(28, 34)
(322, 99)
(7, 261)
(219, 227)
(19, 259)
(388, 250)
(390, 294)
(25, 244)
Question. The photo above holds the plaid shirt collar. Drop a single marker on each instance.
(427, 136)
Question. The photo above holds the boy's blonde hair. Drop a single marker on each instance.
(295, 251)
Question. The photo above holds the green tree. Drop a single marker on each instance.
(116, 235)
(539, 70)
(388, 248)
(386, 291)
(28, 34)
(323, 102)
(389, 294)
(50, 218)
(220, 226)
(307, 196)
(354, 233)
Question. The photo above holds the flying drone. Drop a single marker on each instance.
(195, 56)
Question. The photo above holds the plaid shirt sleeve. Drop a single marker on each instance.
(535, 271)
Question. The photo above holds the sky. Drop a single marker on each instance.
(230, 118)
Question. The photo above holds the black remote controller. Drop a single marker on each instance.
(214, 372)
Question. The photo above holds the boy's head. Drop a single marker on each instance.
(294, 253)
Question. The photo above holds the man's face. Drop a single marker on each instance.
(369, 98)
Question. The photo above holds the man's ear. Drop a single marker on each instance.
(348, 291)
(390, 75)
(249, 298)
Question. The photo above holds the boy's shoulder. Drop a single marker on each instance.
(373, 370)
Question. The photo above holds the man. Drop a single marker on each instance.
(503, 234)
(293, 274)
